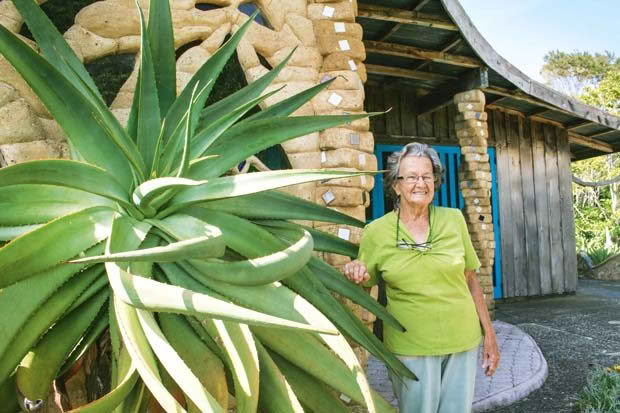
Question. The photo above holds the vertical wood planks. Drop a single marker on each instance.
(568, 218)
(529, 208)
(374, 103)
(555, 222)
(407, 114)
(425, 125)
(391, 100)
(514, 127)
(505, 211)
(542, 207)
(441, 124)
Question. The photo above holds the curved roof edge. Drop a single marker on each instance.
(533, 88)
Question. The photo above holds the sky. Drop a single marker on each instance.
(523, 31)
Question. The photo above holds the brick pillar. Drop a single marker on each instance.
(349, 146)
(472, 132)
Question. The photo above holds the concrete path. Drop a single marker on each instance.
(522, 370)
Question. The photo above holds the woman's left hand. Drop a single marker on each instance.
(490, 356)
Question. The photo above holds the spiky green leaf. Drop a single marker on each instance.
(279, 205)
(90, 127)
(66, 173)
(35, 204)
(78, 232)
(244, 184)
(247, 138)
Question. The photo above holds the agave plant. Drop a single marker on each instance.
(206, 286)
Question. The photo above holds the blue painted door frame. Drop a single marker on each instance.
(449, 194)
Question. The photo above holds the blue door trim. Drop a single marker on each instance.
(449, 194)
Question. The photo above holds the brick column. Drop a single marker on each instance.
(349, 146)
(472, 132)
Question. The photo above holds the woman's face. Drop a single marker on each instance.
(417, 185)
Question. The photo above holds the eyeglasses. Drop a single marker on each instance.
(403, 244)
(410, 179)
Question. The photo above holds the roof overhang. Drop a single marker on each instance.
(433, 46)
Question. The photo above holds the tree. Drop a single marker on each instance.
(595, 80)
(571, 73)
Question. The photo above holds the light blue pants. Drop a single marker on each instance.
(446, 383)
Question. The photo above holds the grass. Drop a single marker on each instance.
(601, 393)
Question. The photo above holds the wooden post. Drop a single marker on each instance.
(472, 132)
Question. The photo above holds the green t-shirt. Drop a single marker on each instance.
(426, 290)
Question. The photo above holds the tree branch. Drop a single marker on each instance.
(581, 182)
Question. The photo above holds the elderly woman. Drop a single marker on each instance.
(425, 255)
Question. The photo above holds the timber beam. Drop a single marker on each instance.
(596, 135)
(396, 26)
(538, 112)
(405, 17)
(589, 142)
(407, 73)
(473, 79)
(578, 124)
(516, 94)
(393, 49)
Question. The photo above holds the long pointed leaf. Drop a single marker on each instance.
(199, 357)
(138, 347)
(144, 194)
(276, 394)
(148, 112)
(279, 205)
(19, 301)
(323, 364)
(239, 347)
(41, 365)
(78, 232)
(88, 339)
(203, 78)
(289, 105)
(262, 270)
(246, 94)
(53, 45)
(91, 128)
(245, 184)
(151, 295)
(191, 248)
(248, 138)
(65, 173)
(175, 365)
(322, 240)
(10, 233)
(35, 204)
(335, 281)
(306, 387)
(21, 342)
(213, 129)
(161, 40)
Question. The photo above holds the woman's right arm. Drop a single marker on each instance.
(356, 271)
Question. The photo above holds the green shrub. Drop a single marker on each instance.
(598, 255)
(601, 393)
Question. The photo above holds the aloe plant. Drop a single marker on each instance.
(205, 285)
